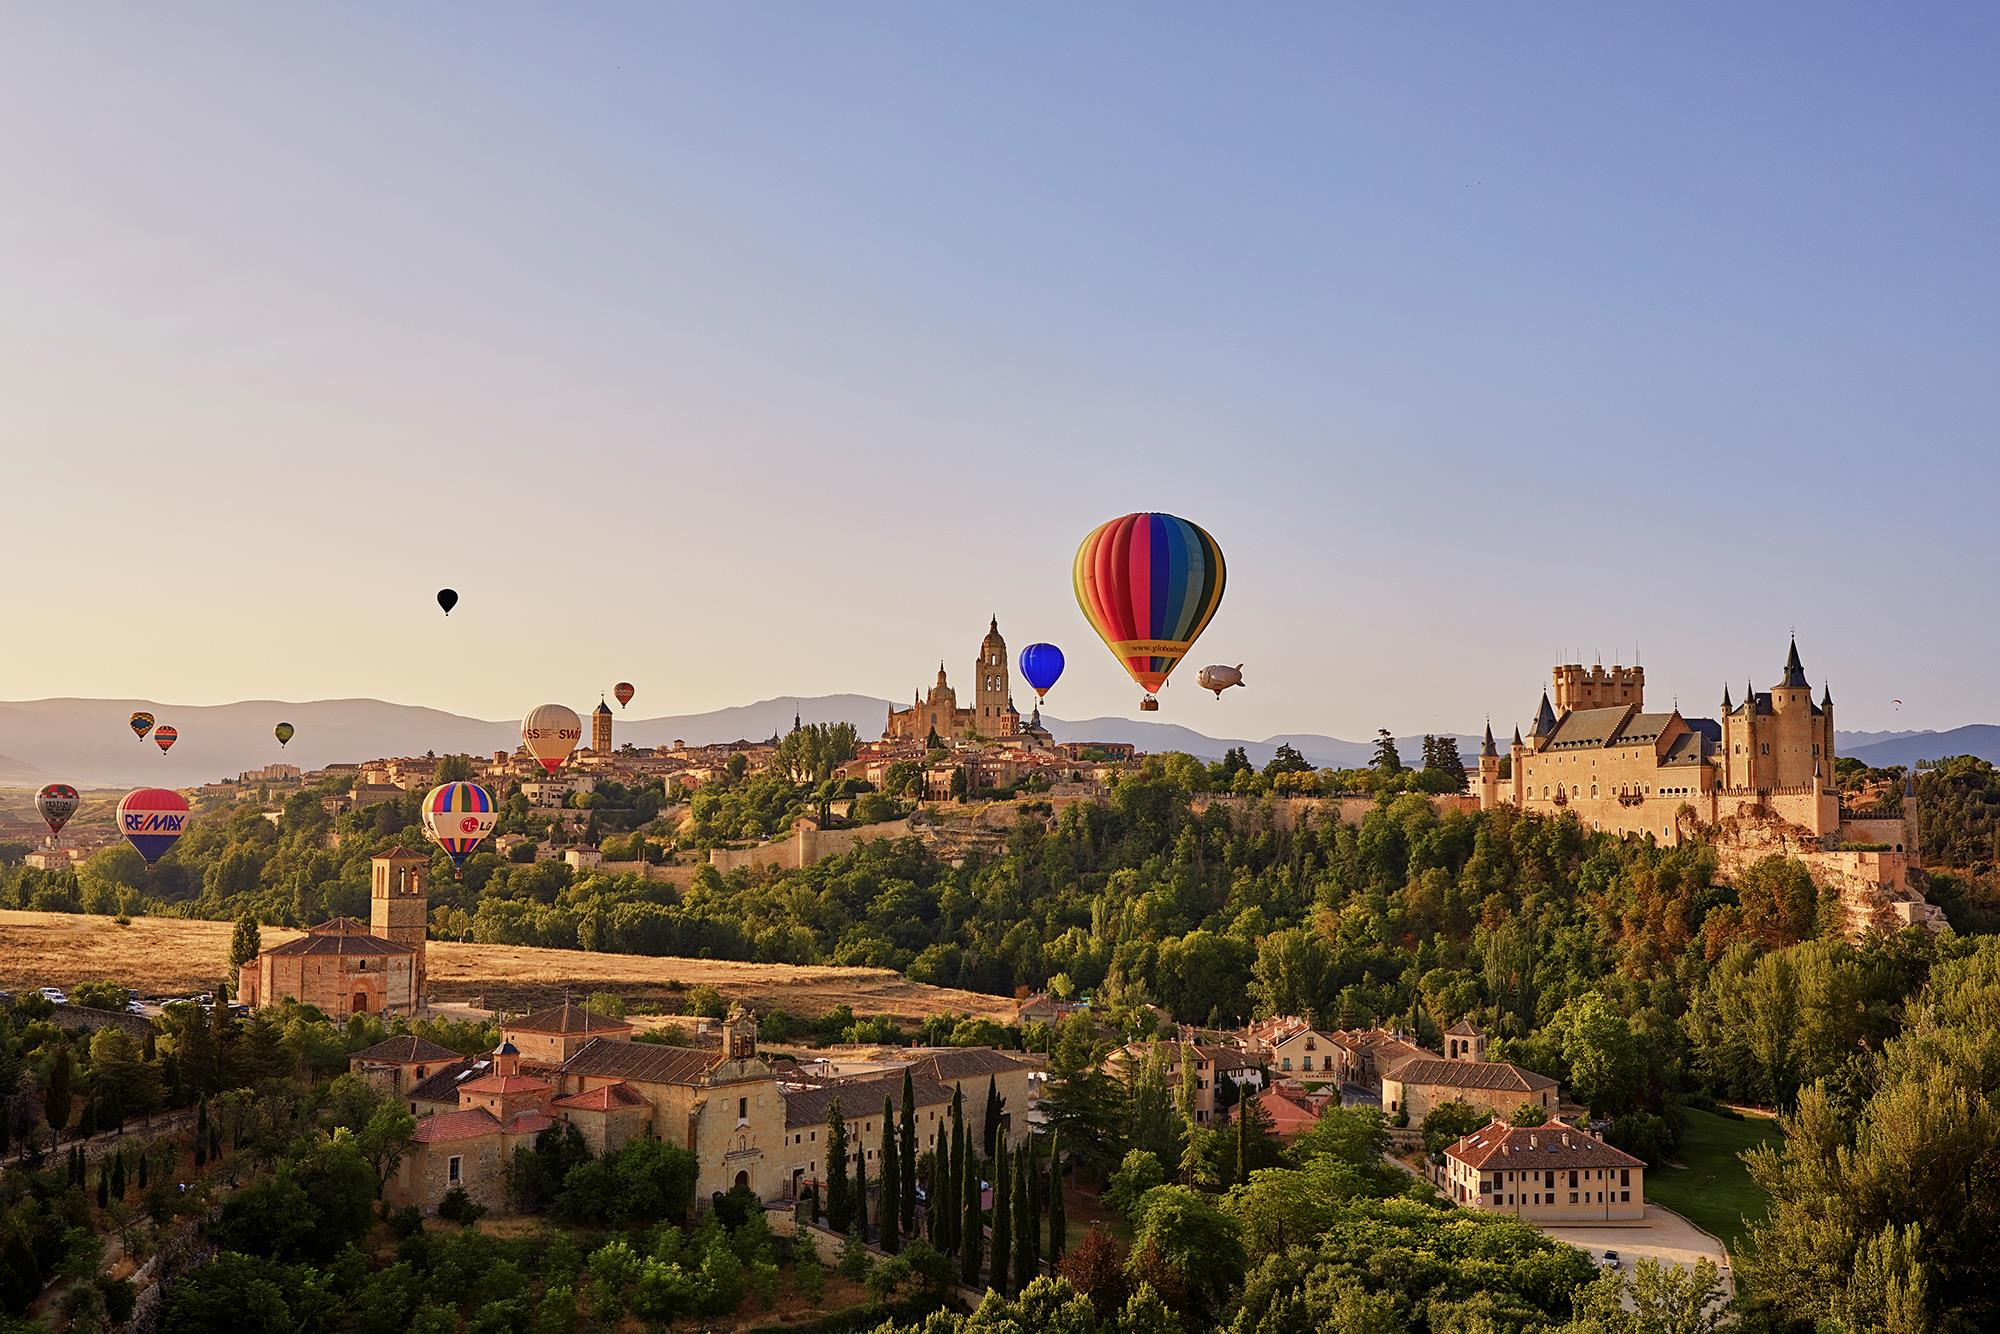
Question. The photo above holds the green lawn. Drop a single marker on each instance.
(1714, 1189)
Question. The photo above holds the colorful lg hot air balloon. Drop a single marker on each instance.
(623, 692)
(164, 737)
(447, 598)
(55, 804)
(142, 723)
(550, 732)
(284, 732)
(1041, 665)
(1149, 584)
(458, 817)
(152, 819)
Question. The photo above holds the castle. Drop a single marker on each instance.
(992, 713)
(345, 968)
(1594, 751)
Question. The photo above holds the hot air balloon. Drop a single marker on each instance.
(1149, 584)
(458, 817)
(152, 819)
(55, 804)
(1220, 679)
(164, 737)
(284, 732)
(447, 598)
(1041, 664)
(142, 723)
(550, 732)
(623, 692)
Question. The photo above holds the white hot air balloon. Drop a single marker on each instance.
(550, 732)
(1220, 678)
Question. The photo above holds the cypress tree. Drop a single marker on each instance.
(103, 1185)
(906, 1175)
(970, 1220)
(1024, 1217)
(837, 1207)
(56, 1096)
(118, 1175)
(943, 1204)
(990, 1125)
(1003, 1222)
(143, 1155)
(1058, 1218)
(889, 1214)
(860, 1201)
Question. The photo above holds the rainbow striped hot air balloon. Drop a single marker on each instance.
(458, 817)
(1149, 584)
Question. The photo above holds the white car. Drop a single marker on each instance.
(55, 996)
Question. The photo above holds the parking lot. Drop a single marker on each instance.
(1662, 1235)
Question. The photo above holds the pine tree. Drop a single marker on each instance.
(837, 1207)
(889, 1215)
(1003, 1223)
(859, 1203)
(1386, 761)
(990, 1125)
(1058, 1216)
(906, 1176)
(970, 1220)
(1024, 1216)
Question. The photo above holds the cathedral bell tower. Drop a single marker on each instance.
(600, 728)
(991, 701)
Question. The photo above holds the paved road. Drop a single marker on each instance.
(1664, 1235)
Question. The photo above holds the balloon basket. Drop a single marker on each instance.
(1149, 705)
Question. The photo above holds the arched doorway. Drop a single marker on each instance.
(743, 1179)
(360, 1002)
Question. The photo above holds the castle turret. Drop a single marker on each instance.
(1545, 724)
(1489, 771)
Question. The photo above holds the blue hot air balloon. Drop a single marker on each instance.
(1041, 664)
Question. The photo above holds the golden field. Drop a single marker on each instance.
(172, 956)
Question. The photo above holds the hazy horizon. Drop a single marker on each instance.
(742, 353)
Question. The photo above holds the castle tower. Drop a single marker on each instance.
(398, 908)
(1515, 774)
(1576, 688)
(600, 728)
(1489, 771)
(1545, 725)
(990, 699)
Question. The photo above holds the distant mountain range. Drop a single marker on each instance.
(87, 741)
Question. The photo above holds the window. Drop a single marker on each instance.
(451, 1170)
(1572, 1197)
(1572, 1182)
(1624, 1176)
(1765, 749)
(742, 1110)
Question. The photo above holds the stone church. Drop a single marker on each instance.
(345, 968)
(992, 713)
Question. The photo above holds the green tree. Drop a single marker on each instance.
(1058, 1210)
(858, 1201)
(1138, 1174)
(1187, 1248)
(989, 1122)
(1256, 1139)
(58, 1091)
(889, 1215)
(245, 943)
(839, 1212)
(906, 1174)
(1605, 1065)
(971, 1215)
(1448, 1121)
(1386, 761)
(1001, 1279)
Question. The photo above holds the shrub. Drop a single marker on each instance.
(854, 1258)
(459, 1207)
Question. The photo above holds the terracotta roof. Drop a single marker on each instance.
(608, 1098)
(409, 1049)
(504, 1084)
(448, 1126)
(1557, 1145)
(966, 1062)
(642, 1062)
(1462, 1029)
(1468, 1075)
(860, 1097)
(442, 1085)
(528, 1123)
(566, 1018)
(342, 935)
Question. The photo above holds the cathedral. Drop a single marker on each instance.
(992, 713)
(1596, 752)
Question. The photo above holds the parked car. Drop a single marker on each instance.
(134, 1007)
(54, 996)
(1611, 1258)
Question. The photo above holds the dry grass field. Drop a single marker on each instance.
(170, 956)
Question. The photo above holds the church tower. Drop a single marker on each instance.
(600, 728)
(398, 908)
(991, 701)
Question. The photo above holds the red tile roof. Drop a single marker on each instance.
(342, 935)
(605, 1099)
(1437, 1072)
(448, 1126)
(567, 1018)
(504, 1084)
(528, 1123)
(1556, 1145)
(409, 1049)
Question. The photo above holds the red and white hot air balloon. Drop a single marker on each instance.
(55, 804)
(549, 733)
(152, 820)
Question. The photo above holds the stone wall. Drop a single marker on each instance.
(806, 846)
(1874, 887)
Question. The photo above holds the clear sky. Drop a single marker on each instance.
(740, 350)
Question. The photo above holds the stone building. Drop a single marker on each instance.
(1553, 1173)
(1420, 1083)
(600, 728)
(992, 713)
(1593, 750)
(344, 968)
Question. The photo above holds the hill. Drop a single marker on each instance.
(172, 956)
(1980, 739)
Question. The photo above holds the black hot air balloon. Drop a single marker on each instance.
(447, 598)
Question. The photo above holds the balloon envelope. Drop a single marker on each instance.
(447, 598)
(284, 732)
(458, 817)
(1149, 584)
(164, 737)
(1219, 679)
(623, 693)
(152, 819)
(1041, 665)
(55, 804)
(550, 732)
(142, 723)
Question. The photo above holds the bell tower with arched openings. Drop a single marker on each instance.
(399, 909)
(991, 699)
